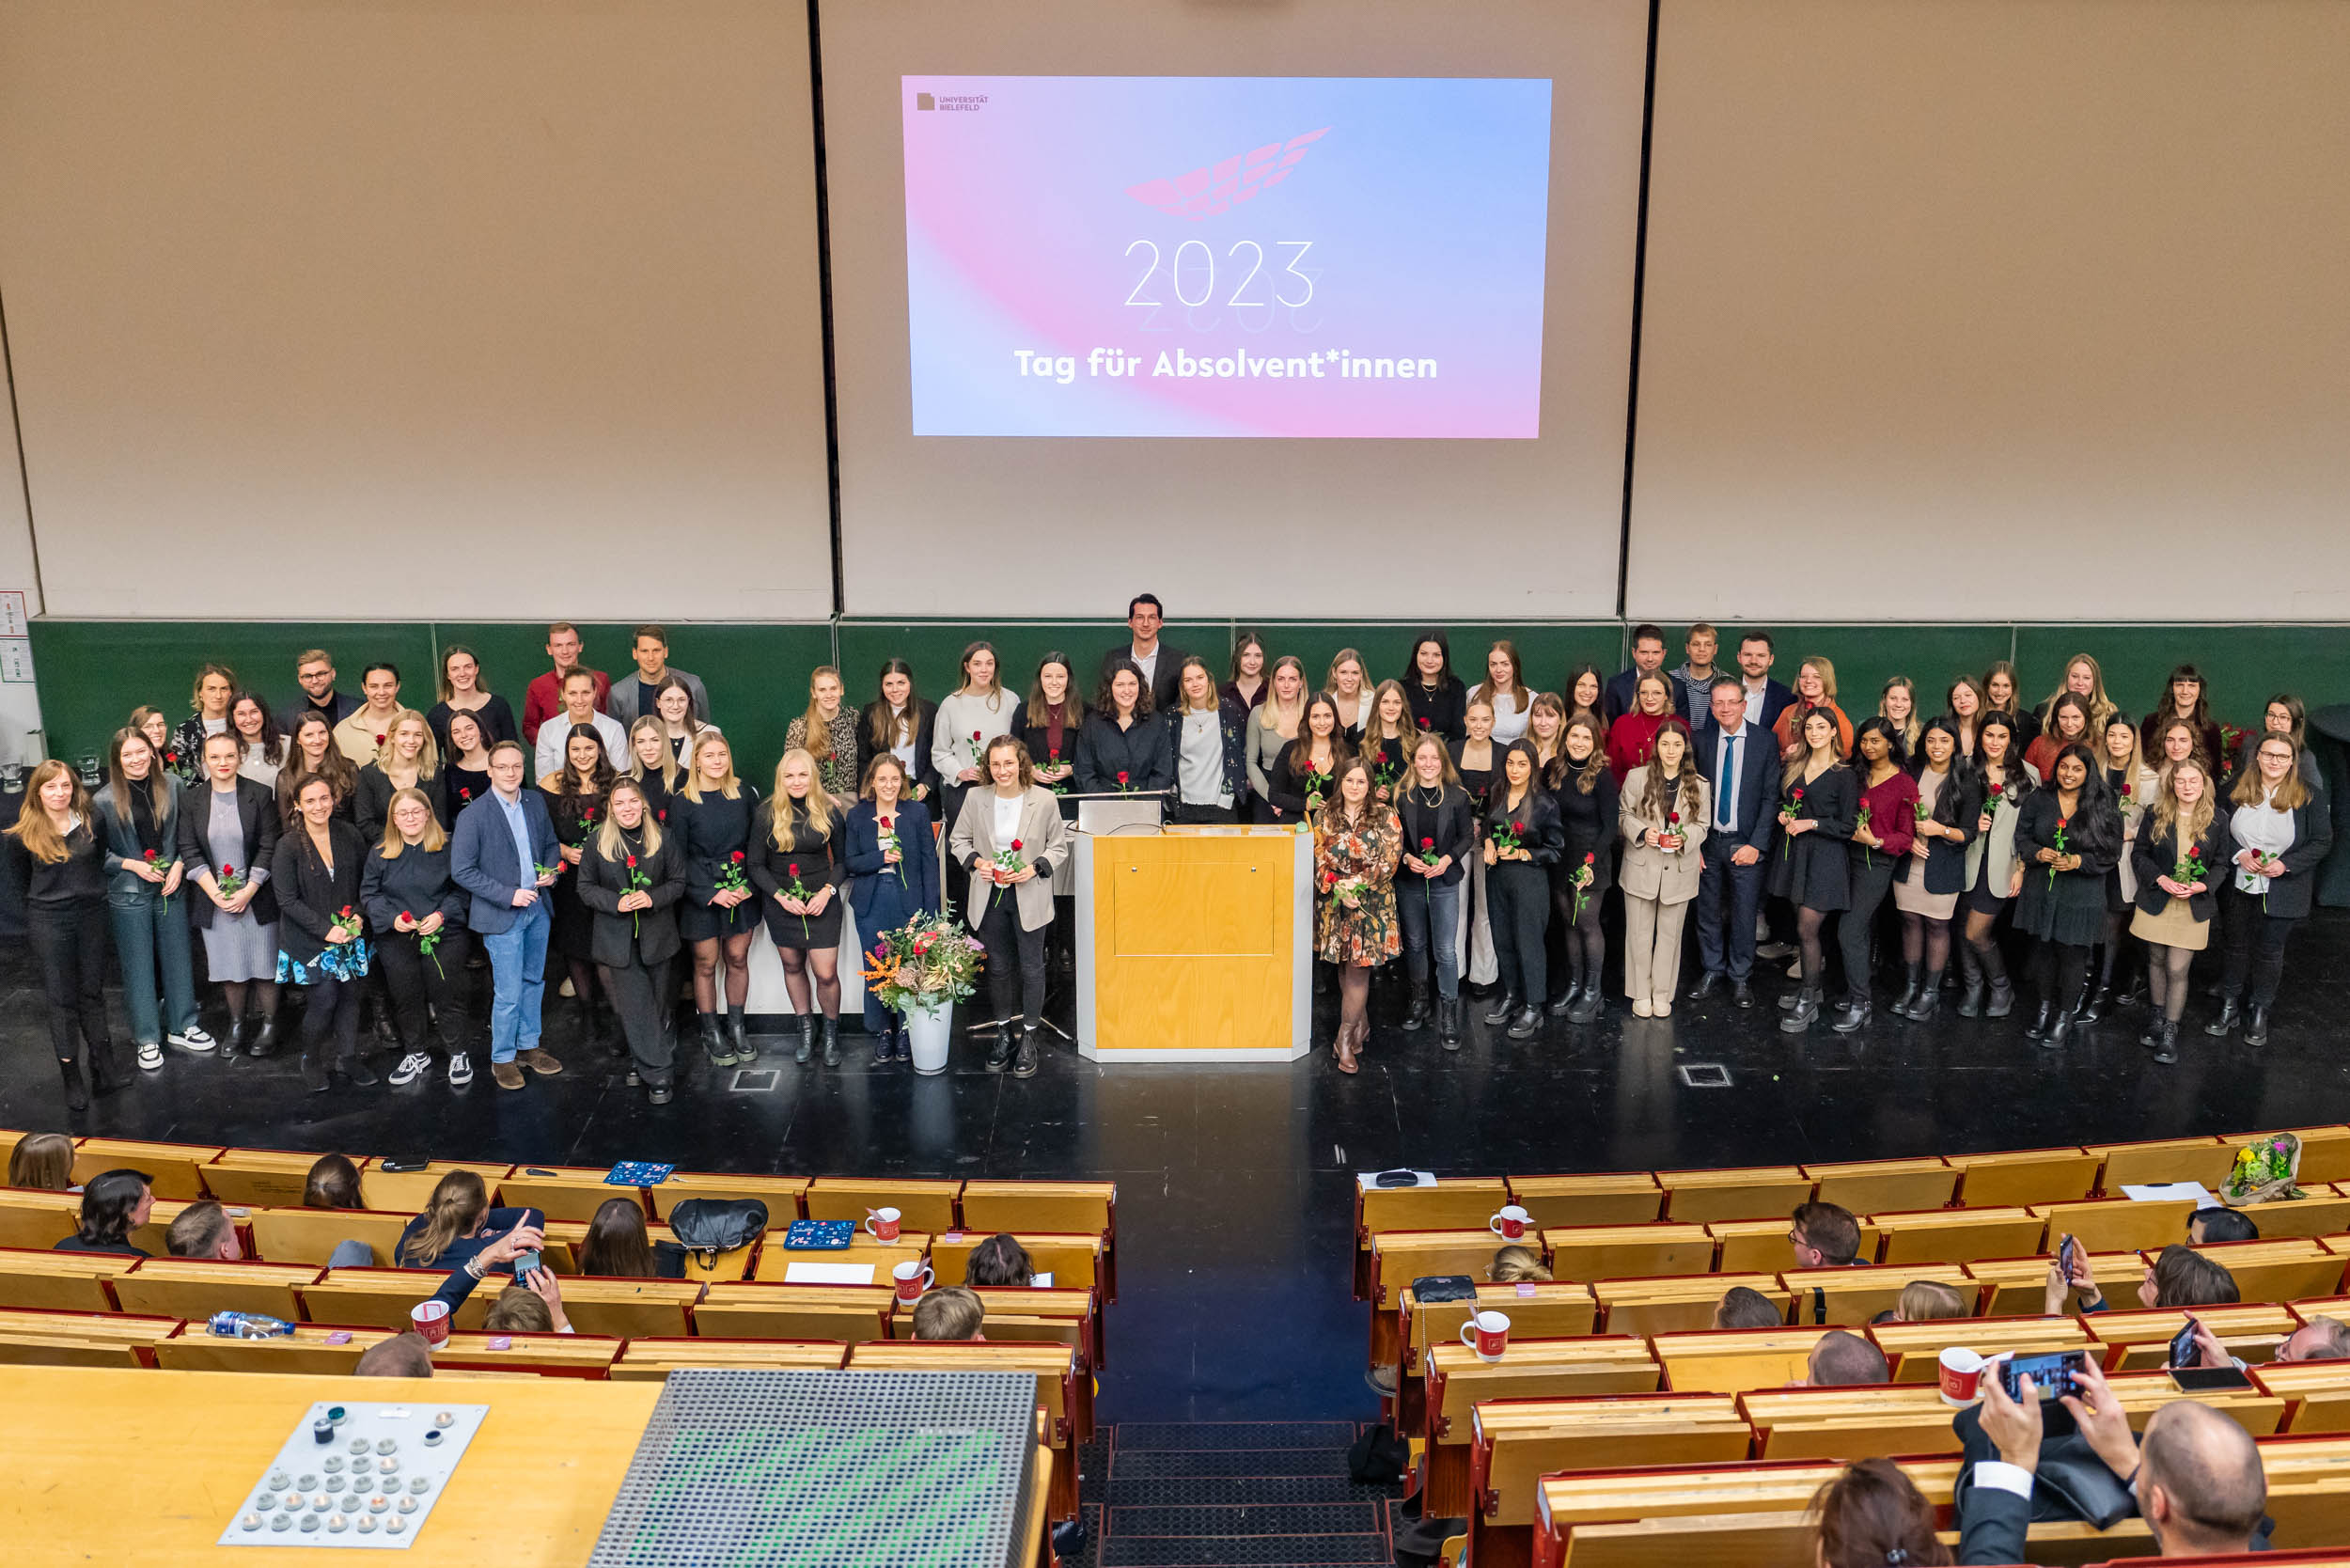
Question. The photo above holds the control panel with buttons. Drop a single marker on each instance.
(356, 1474)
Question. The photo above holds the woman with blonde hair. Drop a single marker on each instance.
(59, 868)
(631, 879)
(710, 814)
(1545, 727)
(2282, 831)
(1897, 704)
(1272, 726)
(1663, 811)
(457, 1224)
(801, 876)
(651, 764)
(418, 912)
(1517, 1265)
(828, 734)
(1928, 1301)
(1815, 692)
(1348, 687)
(2084, 679)
(2181, 856)
(207, 705)
(409, 759)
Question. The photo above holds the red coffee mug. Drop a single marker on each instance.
(1509, 1224)
(1488, 1333)
(913, 1278)
(882, 1224)
(1961, 1374)
(432, 1320)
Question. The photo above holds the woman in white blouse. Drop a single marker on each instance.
(2281, 830)
(1504, 691)
(1008, 839)
(263, 748)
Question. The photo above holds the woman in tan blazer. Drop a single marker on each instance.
(1011, 837)
(1663, 812)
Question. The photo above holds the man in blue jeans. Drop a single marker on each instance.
(502, 850)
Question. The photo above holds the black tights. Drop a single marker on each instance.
(1355, 999)
(1585, 940)
(2059, 973)
(737, 952)
(2166, 978)
(584, 973)
(1807, 926)
(2116, 925)
(235, 991)
(1925, 941)
(1983, 948)
(798, 963)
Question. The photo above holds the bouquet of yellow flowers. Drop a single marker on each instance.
(2263, 1171)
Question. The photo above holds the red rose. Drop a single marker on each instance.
(150, 857)
(1798, 795)
(632, 862)
(737, 857)
(1423, 724)
(379, 740)
(407, 914)
(1428, 843)
(228, 870)
(975, 734)
(1053, 754)
(793, 867)
(171, 759)
(1588, 858)
(1122, 777)
(887, 822)
(662, 815)
(465, 791)
(1672, 816)
(1015, 844)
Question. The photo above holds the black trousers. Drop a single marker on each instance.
(71, 946)
(1517, 894)
(1184, 811)
(1855, 927)
(413, 982)
(2255, 946)
(1002, 934)
(641, 993)
(332, 1006)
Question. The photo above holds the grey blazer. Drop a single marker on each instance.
(1999, 843)
(1647, 872)
(1043, 843)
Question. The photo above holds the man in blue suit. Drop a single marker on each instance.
(1622, 691)
(1739, 761)
(502, 842)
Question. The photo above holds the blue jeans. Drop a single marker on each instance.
(151, 935)
(1420, 903)
(1736, 957)
(518, 972)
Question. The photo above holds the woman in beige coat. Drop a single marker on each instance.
(1663, 809)
(1010, 837)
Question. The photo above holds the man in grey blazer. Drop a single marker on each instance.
(631, 694)
(501, 843)
(1161, 662)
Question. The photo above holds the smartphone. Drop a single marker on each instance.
(2209, 1380)
(401, 1168)
(2183, 1352)
(525, 1262)
(2065, 1256)
(2053, 1375)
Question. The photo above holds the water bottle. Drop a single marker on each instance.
(248, 1326)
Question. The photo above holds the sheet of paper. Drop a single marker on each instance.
(1423, 1179)
(798, 1273)
(2170, 1192)
(1042, 1282)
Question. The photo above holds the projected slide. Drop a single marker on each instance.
(1226, 256)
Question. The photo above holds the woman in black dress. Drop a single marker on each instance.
(462, 690)
(1523, 840)
(1584, 790)
(321, 937)
(1995, 871)
(576, 801)
(466, 770)
(1439, 840)
(58, 871)
(710, 814)
(1439, 700)
(409, 759)
(1302, 774)
(632, 877)
(2069, 834)
(1933, 873)
(1819, 799)
(1122, 750)
(801, 876)
(1387, 742)
(1050, 721)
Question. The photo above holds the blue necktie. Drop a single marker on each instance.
(1726, 803)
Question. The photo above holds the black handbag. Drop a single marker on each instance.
(706, 1227)
(1429, 1289)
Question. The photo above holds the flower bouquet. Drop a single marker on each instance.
(2263, 1171)
(928, 963)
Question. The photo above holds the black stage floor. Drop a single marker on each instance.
(1233, 1182)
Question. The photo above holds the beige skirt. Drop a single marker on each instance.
(1911, 898)
(2173, 928)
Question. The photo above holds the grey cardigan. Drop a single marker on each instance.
(1043, 843)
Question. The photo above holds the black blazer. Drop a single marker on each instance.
(1758, 785)
(2289, 895)
(1285, 786)
(257, 814)
(308, 895)
(1451, 823)
(371, 803)
(1443, 711)
(1959, 805)
(644, 936)
(1166, 676)
(1541, 834)
(872, 743)
(2095, 836)
(1140, 752)
(1037, 737)
(2155, 855)
(417, 882)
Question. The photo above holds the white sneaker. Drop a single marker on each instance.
(414, 1065)
(460, 1070)
(193, 1039)
(150, 1056)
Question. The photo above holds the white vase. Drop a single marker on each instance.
(929, 1030)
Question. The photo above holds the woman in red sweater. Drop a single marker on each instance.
(1883, 828)
(1815, 688)
(1632, 739)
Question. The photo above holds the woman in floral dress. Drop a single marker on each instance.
(1356, 844)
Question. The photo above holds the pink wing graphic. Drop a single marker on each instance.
(1205, 192)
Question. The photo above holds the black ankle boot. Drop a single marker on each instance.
(1448, 1022)
(1525, 1023)
(1025, 1059)
(1804, 1012)
(2095, 1005)
(1909, 992)
(313, 1072)
(1417, 1018)
(715, 1042)
(1588, 1006)
(2041, 1022)
(738, 1037)
(2225, 1022)
(1563, 1004)
(999, 1050)
(1929, 1000)
(1970, 999)
(2002, 1001)
(265, 1043)
(2256, 1026)
(76, 1093)
(832, 1042)
(2166, 1042)
(1501, 1011)
(806, 1047)
(1855, 1016)
(2059, 1031)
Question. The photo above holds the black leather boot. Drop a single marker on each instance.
(1928, 999)
(1448, 1022)
(738, 1037)
(1024, 1061)
(999, 1050)
(1417, 1018)
(1804, 1013)
(2256, 1026)
(1588, 1006)
(2166, 1042)
(2059, 1031)
(1501, 1011)
(76, 1093)
(715, 1042)
(806, 1047)
(2095, 1005)
(265, 1043)
(1909, 994)
(2002, 1001)
(1527, 1021)
(2042, 1022)
(2225, 1022)
(832, 1042)
(1855, 1016)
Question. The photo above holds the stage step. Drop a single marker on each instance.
(1238, 1495)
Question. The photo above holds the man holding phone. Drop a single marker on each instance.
(2197, 1477)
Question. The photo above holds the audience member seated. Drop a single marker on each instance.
(2218, 1224)
(2197, 1477)
(113, 1204)
(950, 1312)
(43, 1160)
(535, 1307)
(204, 1230)
(401, 1355)
(2180, 1277)
(617, 1246)
(1843, 1359)
(1871, 1516)
(1824, 1236)
(1743, 1307)
(999, 1261)
(457, 1223)
(496, 1258)
(333, 1184)
(1928, 1301)
(2321, 1339)
(1514, 1265)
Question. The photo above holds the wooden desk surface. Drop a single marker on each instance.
(520, 1499)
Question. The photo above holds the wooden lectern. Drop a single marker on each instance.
(1195, 944)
